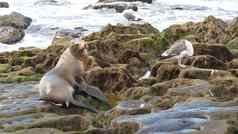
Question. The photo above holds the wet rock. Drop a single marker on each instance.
(110, 79)
(130, 107)
(130, 17)
(51, 2)
(16, 20)
(66, 37)
(119, 7)
(40, 131)
(64, 123)
(10, 35)
(4, 5)
(106, 1)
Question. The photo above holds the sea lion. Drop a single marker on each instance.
(65, 80)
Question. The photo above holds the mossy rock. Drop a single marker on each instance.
(233, 46)
(12, 77)
(4, 68)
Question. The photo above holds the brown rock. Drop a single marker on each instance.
(110, 79)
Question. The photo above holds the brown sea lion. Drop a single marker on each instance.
(65, 80)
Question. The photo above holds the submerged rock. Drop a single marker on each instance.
(10, 35)
(4, 5)
(119, 7)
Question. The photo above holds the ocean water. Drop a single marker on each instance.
(68, 14)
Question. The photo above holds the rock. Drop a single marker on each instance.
(233, 64)
(218, 51)
(195, 73)
(4, 5)
(40, 131)
(65, 37)
(204, 61)
(232, 28)
(110, 79)
(26, 71)
(16, 20)
(197, 89)
(51, 2)
(211, 30)
(232, 46)
(160, 89)
(64, 123)
(10, 35)
(130, 107)
(130, 17)
(203, 74)
(224, 88)
(166, 72)
(134, 92)
(119, 7)
(130, 127)
(108, 1)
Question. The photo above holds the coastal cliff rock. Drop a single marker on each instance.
(202, 96)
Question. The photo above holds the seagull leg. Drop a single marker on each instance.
(180, 61)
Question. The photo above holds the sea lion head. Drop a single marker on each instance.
(79, 50)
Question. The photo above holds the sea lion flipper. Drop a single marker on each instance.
(83, 105)
(96, 93)
(85, 89)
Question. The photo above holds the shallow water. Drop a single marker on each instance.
(68, 14)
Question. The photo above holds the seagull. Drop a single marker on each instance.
(180, 49)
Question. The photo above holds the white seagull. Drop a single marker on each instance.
(180, 49)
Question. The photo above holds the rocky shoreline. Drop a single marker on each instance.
(198, 99)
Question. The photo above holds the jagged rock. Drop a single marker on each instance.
(16, 20)
(4, 5)
(119, 7)
(10, 35)
(110, 79)
(211, 30)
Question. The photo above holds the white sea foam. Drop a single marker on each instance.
(70, 14)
